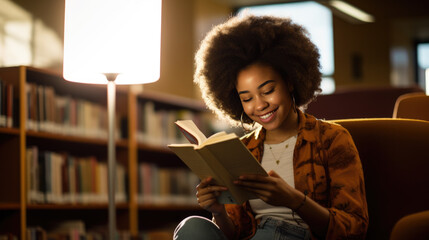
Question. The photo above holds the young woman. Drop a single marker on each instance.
(261, 70)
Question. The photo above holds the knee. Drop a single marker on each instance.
(192, 223)
(196, 227)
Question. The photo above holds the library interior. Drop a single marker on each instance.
(54, 133)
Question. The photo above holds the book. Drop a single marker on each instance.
(2, 104)
(222, 156)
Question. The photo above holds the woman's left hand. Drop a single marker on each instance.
(272, 189)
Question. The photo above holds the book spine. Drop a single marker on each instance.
(30, 174)
(155, 125)
(47, 111)
(60, 178)
(9, 105)
(165, 185)
(2, 102)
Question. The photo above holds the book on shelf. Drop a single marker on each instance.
(65, 229)
(221, 156)
(8, 236)
(2, 105)
(156, 235)
(162, 185)
(61, 178)
(7, 105)
(155, 125)
(63, 114)
(35, 233)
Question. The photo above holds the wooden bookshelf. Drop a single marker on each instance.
(140, 140)
(72, 206)
(9, 206)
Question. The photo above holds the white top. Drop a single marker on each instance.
(278, 157)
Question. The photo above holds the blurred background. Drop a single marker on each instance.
(389, 50)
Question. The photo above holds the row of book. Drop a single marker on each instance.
(8, 236)
(50, 112)
(54, 177)
(71, 233)
(157, 185)
(156, 126)
(7, 105)
(38, 233)
(77, 230)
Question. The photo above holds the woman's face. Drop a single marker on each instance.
(265, 96)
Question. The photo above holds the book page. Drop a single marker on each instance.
(236, 158)
(230, 159)
(216, 135)
(220, 137)
(191, 131)
(222, 156)
(203, 168)
(193, 160)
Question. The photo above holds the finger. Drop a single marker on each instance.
(265, 183)
(210, 190)
(257, 187)
(207, 200)
(273, 173)
(260, 193)
(205, 197)
(205, 182)
(250, 184)
(207, 204)
(214, 189)
(254, 177)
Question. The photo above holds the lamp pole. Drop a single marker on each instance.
(111, 153)
(93, 54)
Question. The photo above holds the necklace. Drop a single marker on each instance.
(280, 155)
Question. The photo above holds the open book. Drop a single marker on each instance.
(222, 156)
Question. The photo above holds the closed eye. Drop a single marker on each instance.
(246, 100)
(269, 92)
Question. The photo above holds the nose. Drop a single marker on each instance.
(261, 104)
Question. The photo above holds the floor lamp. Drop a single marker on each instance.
(112, 42)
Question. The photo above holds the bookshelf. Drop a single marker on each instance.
(53, 148)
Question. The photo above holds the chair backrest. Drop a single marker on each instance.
(412, 105)
(375, 102)
(395, 161)
(414, 226)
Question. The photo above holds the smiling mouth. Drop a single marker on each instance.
(266, 116)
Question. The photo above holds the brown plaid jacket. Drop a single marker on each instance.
(327, 169)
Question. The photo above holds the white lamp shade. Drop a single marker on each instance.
(112, 36)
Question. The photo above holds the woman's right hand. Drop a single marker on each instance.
(207, 193)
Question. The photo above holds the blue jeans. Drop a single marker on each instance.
(200, 228)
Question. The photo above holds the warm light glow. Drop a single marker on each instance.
(352, 11)
(112, 36)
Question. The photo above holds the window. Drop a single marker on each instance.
(423, 65)
(25, 40)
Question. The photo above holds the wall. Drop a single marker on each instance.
(207, 14)
(177, 48)
(397, 25)
(185, 23)
(361, 53)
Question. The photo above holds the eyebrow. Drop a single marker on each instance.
(259, 87)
